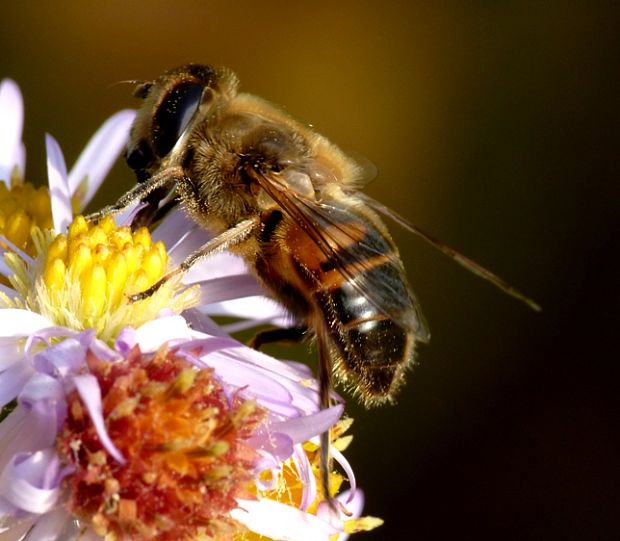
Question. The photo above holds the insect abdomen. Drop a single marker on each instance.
(372, 348)
(363, 304)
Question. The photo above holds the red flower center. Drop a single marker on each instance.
(183, 440)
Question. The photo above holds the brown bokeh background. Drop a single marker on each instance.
(493, 125)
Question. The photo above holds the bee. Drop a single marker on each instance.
(287, 200)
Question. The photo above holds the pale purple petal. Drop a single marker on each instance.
(12, 381)
(62, 358)
(169, 329)
(126, 216)
(11, 352)
(11, 126)
(50, 526)
(256, 308)
(59, 188)
(25, 430)
(304, 389)
(330, 515)
(202, 322)
(182, 236)
(15, 322)
(90, 393)
(279, 521)
(100, 349)
(279, 445)
(225, 288)
(41, 387)
(270, 390)
(348, 470)
(353, 501)
(174, 232)
(30, 481)
(242, 353)
(100, 154)
(308, 426)
(125, 340)
(306, 475)
(9, 434)
(217, 265)
(43, 338)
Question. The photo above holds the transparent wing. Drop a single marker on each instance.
(462, 260)
(354, 247)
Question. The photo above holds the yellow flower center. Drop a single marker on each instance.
(23, 207)
(82, 280)
(105, 261)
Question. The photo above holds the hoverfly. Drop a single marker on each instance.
(285, 199)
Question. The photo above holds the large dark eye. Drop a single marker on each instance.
(139, 156)
(173, 116)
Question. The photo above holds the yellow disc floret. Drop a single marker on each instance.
(23, 207)
(83, 279)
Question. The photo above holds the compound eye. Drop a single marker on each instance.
(174, 115)
(139, 156)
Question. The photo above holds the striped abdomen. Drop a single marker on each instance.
(346, 280)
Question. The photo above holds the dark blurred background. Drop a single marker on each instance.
(493, 125)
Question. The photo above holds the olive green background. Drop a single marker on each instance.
(493, 125)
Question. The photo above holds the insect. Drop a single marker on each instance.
(287, 200)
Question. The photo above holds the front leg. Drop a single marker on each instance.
(222, 242)
(166, 178)
(271, 336)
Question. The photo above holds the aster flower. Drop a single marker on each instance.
(153, 439)
(87, 393)
(22, 206)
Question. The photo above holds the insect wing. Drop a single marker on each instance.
(362, 256)
(461, 259)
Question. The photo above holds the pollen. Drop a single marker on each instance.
(84, 279)
(184, 441)
(23, 207)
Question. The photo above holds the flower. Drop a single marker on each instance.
(81, 280)
(130, 435)
(66, 190)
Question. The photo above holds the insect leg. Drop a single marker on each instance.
(167, 177)
(325, 386)
(222, 242)
(292, 334)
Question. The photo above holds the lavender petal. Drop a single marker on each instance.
(61, 359)
(100, 153)
(29, 481)
(90, 393)
(59, 188)
(12, 115)
(12, 381)
(15, 322)
(279, 521)
(304, 428)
